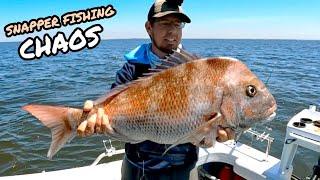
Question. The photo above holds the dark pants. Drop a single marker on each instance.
(131, 172)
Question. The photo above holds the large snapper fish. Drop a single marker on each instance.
(183, 100)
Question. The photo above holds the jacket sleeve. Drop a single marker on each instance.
(129, 72)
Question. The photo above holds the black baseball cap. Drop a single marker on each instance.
(165, 7)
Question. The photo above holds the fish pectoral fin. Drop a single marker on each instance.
(200, 136)
(62, 122)
(206, 134)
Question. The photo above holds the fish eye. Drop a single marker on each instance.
(251, 90)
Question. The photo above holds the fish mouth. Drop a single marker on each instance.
(271, 117)
(271, 113)
(245, 124)
(273, 108)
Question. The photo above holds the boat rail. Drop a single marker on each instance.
(109, 151)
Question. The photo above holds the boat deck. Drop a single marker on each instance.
(246, 161)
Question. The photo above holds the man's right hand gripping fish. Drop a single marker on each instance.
(183, 100)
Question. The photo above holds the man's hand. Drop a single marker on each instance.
(97, 121)
(225, 134)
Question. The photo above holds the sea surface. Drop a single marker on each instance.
(291, 67)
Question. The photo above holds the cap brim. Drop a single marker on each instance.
(182, 16)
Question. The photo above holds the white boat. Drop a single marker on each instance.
(245, 161)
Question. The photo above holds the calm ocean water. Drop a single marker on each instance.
(72, 78)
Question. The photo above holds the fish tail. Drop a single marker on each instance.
(62, 122)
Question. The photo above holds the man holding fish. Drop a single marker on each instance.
(182, 103)
(164, 26)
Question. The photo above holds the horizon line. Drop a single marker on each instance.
(279, 39)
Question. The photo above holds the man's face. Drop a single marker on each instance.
(166, 33)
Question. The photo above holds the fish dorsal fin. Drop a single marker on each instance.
(195, 134)
(178, 57)
(183, 56)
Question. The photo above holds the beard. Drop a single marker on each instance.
(166, 49)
